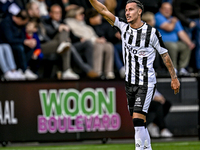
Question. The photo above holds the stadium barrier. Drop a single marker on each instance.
(63, 111)
(46, 111)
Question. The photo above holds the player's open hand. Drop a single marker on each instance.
(175, 85)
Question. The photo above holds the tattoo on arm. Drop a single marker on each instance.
(168, 63)
(109, 20)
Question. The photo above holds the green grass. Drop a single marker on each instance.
(156, 146)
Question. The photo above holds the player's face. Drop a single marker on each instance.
(132, 12)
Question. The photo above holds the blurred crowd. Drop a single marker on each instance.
(68, 39)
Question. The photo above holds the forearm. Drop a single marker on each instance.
(98, 6)
(168, 63)
(184, 37)
(168, 26)
(103, 11)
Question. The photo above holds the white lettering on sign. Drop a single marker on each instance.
(7, 115)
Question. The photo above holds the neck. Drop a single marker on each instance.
(30, 33)
(137, 24)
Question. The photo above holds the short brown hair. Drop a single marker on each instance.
(34, 21)
(90, 13)
(147, 16)
(73, 12)
(139, 4)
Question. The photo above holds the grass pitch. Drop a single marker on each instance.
(156, 146)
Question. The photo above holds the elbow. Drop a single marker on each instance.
(169, 29)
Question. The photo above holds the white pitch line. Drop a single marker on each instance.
(175, 144)
(57, 148)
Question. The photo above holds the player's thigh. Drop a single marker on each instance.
(130, 93)
(143, 99)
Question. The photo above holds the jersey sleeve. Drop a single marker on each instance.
(158, 43)
(120, 23)
(117, 23)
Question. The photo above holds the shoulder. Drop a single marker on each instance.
(159, 17)
(122, 20)
(149, 28)
(35, 35)
(120, 23)
(156, 32)
(158, 14)
(153, 31)
(70, 21)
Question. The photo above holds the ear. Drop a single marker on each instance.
(140, 11)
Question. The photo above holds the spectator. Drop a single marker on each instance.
(158, 110)
(149, 18)
(79, 28)
(171, 30)
(13, 33)
(188, 12)
(104, 29)
(7, 64)
(42, 8)
(33, 10)
(54, 28)
(159, 66)
(31, 33)
(55, 39)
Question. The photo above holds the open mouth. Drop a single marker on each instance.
(128, 17)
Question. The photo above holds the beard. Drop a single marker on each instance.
(133, 20)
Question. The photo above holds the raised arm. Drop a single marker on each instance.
(103, 11)
(175, 85)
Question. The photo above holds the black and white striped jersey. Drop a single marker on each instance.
(139, 52)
